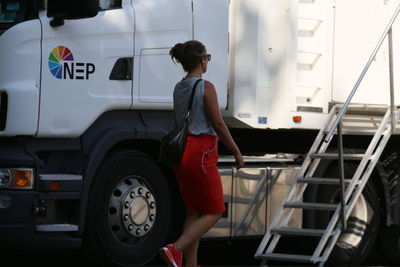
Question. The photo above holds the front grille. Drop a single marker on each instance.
(3, 110)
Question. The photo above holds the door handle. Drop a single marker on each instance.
(123, 69)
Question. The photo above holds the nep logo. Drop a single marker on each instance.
(62, 65)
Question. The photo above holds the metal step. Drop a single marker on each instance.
(367, 110)
(357, 128)
(310, 206)
(363, 120)
(335, 156)
(60, 177)
(286, 257)
(297, 231)
(355, 131)
(56, 227)
(315, 180)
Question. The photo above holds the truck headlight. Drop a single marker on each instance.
(16, 178)
(5, 178)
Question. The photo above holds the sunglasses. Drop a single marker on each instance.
(208, 57)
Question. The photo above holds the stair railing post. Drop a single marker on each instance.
(392, 104)
(341, 174)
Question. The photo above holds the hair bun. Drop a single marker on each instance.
(177, 52)
(188, 54)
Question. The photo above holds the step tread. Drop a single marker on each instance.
(60, 227)
(366, 110)
(311, 205)
(355, 132)
(321, 180)
(286, 257)
(335, 156)
(297, 231)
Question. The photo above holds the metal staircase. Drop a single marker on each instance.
(347, 119)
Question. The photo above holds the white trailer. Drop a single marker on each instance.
(86, 95)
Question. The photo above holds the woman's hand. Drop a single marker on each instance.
(239, 160)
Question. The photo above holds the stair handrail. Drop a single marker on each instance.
(387, 32)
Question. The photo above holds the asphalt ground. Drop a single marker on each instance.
(235, 253)
(211, 253)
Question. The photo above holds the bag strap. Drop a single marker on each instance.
(192, 95)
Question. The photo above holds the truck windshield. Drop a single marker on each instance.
(15, 11)
(12, 11)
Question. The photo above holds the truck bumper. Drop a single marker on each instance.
(18, 224)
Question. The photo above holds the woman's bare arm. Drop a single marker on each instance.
(214, 115)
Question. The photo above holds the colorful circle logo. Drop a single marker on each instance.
(57, 55)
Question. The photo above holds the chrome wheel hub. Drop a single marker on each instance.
(138, 211)
(356, 224)
(132, 209)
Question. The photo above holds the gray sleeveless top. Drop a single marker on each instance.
(199, 123)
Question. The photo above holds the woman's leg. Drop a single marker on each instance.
(190, 252)
(195, 230)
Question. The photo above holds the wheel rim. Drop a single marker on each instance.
(357, 224)
(132, 210)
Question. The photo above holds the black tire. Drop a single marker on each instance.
(389, 243)
(355, 244)
(389, 236)
(134, 178)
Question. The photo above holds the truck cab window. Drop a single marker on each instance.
(17, 11)
(12, 11)
(110, 4)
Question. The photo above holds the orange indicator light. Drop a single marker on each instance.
(22, 178)
(54, 186)
(297, 119)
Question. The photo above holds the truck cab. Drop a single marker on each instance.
(106, 62)
(86, 86)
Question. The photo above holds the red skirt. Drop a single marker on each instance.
(198, 177)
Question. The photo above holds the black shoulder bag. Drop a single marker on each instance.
(173, 144)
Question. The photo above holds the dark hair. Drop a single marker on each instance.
(189, 54)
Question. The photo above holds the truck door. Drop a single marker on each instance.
(158, 28)
(77, 60)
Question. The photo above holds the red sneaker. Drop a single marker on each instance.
(171, 256)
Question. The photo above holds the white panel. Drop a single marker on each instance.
(314, 56)
(263, 61)
(70, 105)
(157, 86)
(356, 34)
(211, 19)
(20, 77)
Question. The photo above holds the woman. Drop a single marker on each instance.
(197, 174)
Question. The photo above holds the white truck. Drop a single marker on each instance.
(86, 95)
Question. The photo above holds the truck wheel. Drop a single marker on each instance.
(128, 212)
(354, 245)
(389, 241)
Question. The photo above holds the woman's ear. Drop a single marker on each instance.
(204, 64)
(203, 67)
